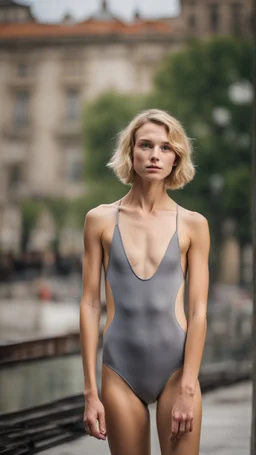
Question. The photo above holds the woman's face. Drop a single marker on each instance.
(153, 157)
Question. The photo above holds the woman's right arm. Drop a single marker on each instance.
(90, 311)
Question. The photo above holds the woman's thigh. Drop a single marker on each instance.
(127, 418)
(188, 442)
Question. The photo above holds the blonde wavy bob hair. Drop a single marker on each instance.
(122, 160)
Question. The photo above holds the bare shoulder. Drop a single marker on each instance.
(99, 217)
(195, 223)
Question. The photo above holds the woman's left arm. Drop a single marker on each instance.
(198, 283)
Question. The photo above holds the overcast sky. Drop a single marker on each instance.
(53, 10)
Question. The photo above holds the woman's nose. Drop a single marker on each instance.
(155, 153)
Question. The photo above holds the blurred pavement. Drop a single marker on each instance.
(225, 426)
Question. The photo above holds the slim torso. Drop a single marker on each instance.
(145, 278)
(145, 240)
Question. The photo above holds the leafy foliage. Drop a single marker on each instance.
(103, 119)
(191, 84)
(29, 213)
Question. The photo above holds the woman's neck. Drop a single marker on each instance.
(149, 197)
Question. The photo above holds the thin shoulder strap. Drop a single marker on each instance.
(177, 218)
(117, 211)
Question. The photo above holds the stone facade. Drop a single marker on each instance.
(48, 71)
(205, 18)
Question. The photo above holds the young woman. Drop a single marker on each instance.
(147, 244)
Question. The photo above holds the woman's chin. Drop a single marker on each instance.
(153, 178)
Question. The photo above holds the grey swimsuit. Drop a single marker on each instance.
(144, 343)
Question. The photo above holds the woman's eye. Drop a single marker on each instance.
(166, 147)
(144, 145)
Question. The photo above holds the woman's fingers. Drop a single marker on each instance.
(189, 425)
(174, 428)
(92, 428)
(94, 418)
(102, 423)
(180, 426)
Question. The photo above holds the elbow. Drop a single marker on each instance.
(90, 304)
(198, 317)
(90, 301)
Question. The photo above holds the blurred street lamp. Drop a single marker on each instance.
(221, 116)
(1, 226)
(241, 92)
(253, 210)
(216, 184)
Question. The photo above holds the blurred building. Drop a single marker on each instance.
(205, 18)
(48, 71)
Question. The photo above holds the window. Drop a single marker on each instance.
(74, 164)
(236, 15)
(214, 17)
(73, 104)
(23, 70)
(14, 176)
(21, 108)
(192, 21)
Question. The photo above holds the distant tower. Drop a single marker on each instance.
(104, 13)
(204, 18)
(104, 5)
(68, 19)
(136, 15)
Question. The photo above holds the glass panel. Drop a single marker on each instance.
(214, 17)
(192, 21)
(15, 176)
(73, 104)
(74, 164)
(23, 70)
(236, 12)
(21, 108)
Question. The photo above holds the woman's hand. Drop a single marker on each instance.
(94, 417)
(182, 415)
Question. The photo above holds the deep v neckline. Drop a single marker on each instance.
(165, 253)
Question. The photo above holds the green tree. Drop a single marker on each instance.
(195, 85)
(60, 209)
(29, 213)
(103, 119)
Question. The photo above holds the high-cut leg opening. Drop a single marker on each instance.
(168, 379)
(127, 382)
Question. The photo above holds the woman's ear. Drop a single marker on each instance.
(176, 161)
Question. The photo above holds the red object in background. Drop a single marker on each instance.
(45, 292)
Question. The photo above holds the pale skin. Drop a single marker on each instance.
(146, 214)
